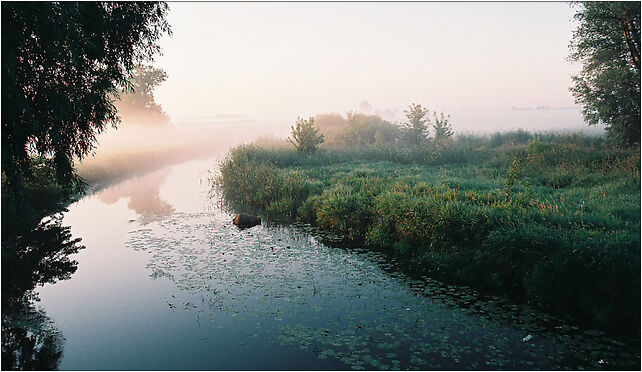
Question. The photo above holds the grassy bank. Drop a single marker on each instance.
(553, 220)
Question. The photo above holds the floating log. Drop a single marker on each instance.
(244, 220)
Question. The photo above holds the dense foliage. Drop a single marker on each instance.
(553, 220)
(607, 43)
(61, 66)
(41, 256)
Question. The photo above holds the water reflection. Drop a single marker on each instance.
(143, 193)
(285, 295)
(351, 305)
(29, 338)
(30, 341)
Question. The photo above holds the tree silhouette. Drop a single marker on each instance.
(442, 127)
(62, 64)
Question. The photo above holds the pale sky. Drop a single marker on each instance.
(281, 60)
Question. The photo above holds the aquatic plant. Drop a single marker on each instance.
(552, 220)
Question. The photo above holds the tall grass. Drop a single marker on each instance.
(553, 220)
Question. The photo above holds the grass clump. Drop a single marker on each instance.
(549, 219)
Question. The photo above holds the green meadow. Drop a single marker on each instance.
(550, 219)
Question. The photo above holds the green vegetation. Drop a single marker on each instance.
(362, 130)
(305, 137)
(607, 43)
(549, 219)
(443, 130)
(416, 129)
(356, 130)
(62, 66)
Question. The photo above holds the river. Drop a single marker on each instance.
(166, 281)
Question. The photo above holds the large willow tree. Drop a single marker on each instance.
(63, 64)
(607, 43)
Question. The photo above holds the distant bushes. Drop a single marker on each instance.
(357, 130)
(565, 237)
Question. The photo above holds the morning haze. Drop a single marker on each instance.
(320, 186)
(279, 60)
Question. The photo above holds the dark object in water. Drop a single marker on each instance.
(243, 220)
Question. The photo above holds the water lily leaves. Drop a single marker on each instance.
(296, 291)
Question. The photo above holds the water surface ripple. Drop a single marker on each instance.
(186, 289)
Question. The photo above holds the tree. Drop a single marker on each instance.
(416, 129)
(442, 127)
(62, 64)
(139, 101)
(607, 43)
(305, 137)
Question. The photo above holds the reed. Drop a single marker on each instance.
(548, 219)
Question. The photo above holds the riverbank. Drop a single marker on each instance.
(552, 221)
(121, 154)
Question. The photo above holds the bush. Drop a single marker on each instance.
(305, 137)
(357, 130)
(568, 242)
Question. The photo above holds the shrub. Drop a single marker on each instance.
(467, 213)
(443, 129)
(305, 137)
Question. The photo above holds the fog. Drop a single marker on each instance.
(242, 71)
(138, 147)
(276, 61)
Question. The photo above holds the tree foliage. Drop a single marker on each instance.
(442, 127)
(416, 128)
(607, 43)
(139, 100)
(62, 65)
(305, 137)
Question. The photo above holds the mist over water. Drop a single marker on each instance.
(532, 120)
(386, 241)
(167, 282)
(134, 148)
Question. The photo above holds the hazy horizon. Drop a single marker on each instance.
(276, 61)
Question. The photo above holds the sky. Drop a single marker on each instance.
(283, 60)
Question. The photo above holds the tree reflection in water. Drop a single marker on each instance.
(29, 338)
(143, 193)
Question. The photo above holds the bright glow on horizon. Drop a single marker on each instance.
(281, 60)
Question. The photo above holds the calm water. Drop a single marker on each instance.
(165, 281)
